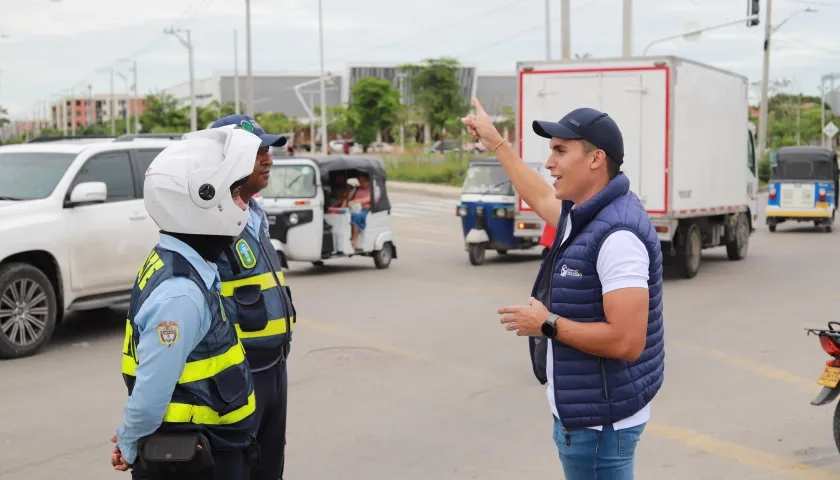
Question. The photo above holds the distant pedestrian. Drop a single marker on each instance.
(595, 313)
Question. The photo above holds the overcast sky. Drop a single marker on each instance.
(53, 46)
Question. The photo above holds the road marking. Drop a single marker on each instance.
(750, 457)
(752, 366)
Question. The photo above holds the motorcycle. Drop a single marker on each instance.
(830, 378)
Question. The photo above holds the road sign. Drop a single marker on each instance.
(831, 130)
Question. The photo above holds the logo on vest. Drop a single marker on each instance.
(246, 255)
(569, 272)
(168, 333)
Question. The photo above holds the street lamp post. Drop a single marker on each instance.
(547, 30)
(187, 42)
(322, 79)
(627, 29)
(236, 72)
(566, 29)
(133, 101)
(765, 75)
(249, 81)
(695, 33)
(127, 115)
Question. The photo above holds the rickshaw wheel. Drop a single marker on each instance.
(382, 258)
(476, 252)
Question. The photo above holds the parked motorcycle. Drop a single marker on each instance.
(830, 378)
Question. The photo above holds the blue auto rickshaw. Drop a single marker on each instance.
(803, 186)
(491, 212)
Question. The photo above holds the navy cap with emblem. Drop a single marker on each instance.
(252, 126)
(587, 124)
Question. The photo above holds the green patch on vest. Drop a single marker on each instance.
(246, 256)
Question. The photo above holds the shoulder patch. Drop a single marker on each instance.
(168, 333)
(246, 255)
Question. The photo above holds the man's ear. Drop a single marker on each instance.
(598, 159)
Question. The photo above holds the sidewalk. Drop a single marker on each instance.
(430, 189)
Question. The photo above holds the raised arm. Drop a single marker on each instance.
(529, 184)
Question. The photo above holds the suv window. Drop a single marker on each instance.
(113, 168)
(145, 158)
(31, 175)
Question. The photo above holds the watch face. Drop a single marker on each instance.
(548, 330)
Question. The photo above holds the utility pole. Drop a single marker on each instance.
(89, 111)
(566, 28)
(187, 42)
(249, 84)
(322, 79)
(627, 29)
(127, 113)
(131, 104)
(765, 73)
(547, 30)
(235, 73)
(111, 107)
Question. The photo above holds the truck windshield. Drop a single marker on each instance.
(31, 175)
(291, 181)
(486, 179)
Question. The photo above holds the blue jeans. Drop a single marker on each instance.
(359, 219)
(588, 454)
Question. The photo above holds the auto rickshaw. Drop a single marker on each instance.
(305, 203)
(491, 212)
(803, 186)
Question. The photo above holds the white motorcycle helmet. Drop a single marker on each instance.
(188, 186)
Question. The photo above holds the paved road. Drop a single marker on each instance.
(406, 373)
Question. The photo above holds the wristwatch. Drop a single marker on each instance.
(549, 326)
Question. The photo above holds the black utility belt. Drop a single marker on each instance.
(184, 452)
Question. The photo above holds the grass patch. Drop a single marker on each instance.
(447, 169)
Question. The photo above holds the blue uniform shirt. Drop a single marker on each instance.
(256, 215)
(175, 299)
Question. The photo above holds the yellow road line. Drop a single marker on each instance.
(742, 454)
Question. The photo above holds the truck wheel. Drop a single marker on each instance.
(382, 258)
(28, 310)
(737, 248)
(688, 254)
(476, 252)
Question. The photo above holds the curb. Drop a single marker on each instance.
(428, 189)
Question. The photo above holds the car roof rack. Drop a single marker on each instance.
(127, 137)
(60, 138)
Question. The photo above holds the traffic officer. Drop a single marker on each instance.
(259, 302)
(191, 406)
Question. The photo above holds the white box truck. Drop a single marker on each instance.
(688, 145)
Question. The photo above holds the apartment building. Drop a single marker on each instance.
(87, 110)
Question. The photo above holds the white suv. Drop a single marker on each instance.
(73, 232)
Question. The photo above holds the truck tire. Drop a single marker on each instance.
(27, 298)
(738, 247)
(688, 254)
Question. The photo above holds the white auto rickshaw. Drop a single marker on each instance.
(309, 220)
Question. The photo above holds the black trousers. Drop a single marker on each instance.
(271, 388)
(229, 465)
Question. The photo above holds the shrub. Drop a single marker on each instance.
(448, 169)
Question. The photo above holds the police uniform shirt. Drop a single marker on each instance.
(178, 301)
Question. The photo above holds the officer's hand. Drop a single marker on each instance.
(117, 460)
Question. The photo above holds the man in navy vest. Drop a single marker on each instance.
(191, 405)
(595, 314)
(254, 292)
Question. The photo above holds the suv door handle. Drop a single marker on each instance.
(138, 216)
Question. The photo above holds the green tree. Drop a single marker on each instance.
(374, 106)
(436, 90)
(213, 111)
(163, 115)
(337, 119)
(275, 122)
(3, 116)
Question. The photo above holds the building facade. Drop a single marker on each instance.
(81, 111)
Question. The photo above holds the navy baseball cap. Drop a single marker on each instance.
(587, 124)
(252, 126)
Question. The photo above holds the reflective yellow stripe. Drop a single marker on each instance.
(273, 327)
(200, 369)
(186, 413)
(265, 281)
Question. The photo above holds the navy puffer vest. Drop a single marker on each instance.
(589, 390)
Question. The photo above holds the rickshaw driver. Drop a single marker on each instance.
(250, 273)
(362, 197)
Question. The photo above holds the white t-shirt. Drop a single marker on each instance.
(623, 262)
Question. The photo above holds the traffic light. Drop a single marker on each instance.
(752, 11)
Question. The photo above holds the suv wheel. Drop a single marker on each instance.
(27, 310)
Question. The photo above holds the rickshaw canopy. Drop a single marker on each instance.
(805, 163)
